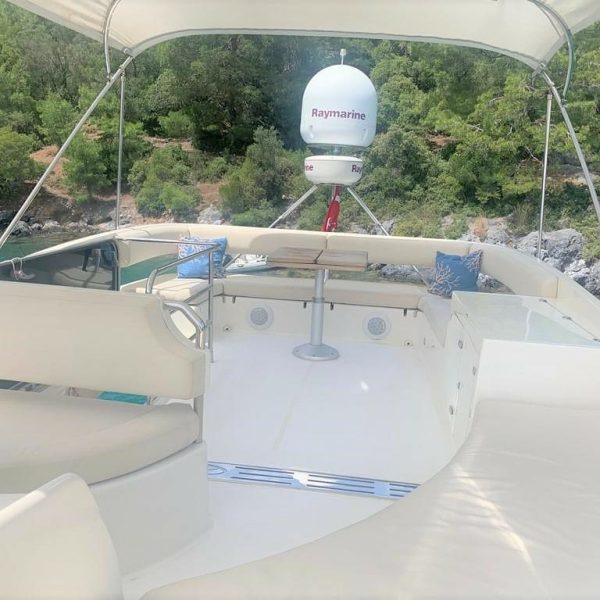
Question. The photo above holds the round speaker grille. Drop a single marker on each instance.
(260, 317)
(376, 326)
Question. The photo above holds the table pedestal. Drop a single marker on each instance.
(316, 349)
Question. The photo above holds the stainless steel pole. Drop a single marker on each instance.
(62, 150)
(578, 150)
(545, 174)
(120, 159)
(294, 206)
(368, 211)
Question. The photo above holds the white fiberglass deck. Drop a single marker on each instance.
(369, 413)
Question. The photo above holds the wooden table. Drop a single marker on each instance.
(319, 261)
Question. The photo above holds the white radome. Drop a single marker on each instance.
(339, 108)
(335, 170)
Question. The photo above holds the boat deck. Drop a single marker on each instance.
(368, 414)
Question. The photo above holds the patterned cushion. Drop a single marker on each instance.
(455, 273)
(198, 267)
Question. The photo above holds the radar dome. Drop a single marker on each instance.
(339, 108)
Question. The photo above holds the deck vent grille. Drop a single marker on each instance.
(377, 326)
(260, 317)
(306, 480)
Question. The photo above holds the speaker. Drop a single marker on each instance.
(260, 316)
(377, 326)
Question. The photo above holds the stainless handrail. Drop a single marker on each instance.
(210, 287)
(192, 316)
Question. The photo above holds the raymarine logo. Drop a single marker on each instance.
(338, 114)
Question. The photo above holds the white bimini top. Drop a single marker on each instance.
(529, 30)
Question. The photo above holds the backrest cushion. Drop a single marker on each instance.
(199, 267)
(455, 273)
(54, 544)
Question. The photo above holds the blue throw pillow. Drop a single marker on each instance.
(197, 268)
(455, 273)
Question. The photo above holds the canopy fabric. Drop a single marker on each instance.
(517, 28)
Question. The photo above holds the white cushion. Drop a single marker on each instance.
(96, 340)
(43, 436)
(181, 289)
(275, 288)
(514, 515)
(438, 311)
(361, 293)
(521, 273)
(369, 293)
(54, 545)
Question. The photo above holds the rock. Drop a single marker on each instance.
(497, 235)
(36, 227)
(528, 244)
(6, 216)
(210, 215)
(21, 229)
(51, 227)
(469, 237)
(407, 274)
(354, 228)
(563, 247)
(593, 280)
(579, 272)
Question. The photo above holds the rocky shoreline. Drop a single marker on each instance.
(563, 248)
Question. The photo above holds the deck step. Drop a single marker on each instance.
(308, 480)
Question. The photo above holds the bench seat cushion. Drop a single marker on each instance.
(438, 311)
(513, 515)
(362, 293)
(180, 290)
(43, 436)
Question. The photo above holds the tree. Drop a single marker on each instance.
(15, 164)
(57, 118)
(85, 170)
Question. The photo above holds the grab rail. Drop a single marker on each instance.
(192, 316)
(208, 249)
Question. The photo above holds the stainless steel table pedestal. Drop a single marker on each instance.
(316, 349)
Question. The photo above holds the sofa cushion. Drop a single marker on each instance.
(438, 312)
(180, 290)
(339, 291)
(513, 515)
(54, 544)
(43, 436)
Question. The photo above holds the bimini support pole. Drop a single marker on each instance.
(545, 174)
(120, 158)
(38, 186)
(578, 150)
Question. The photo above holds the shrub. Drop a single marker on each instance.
(260, 216)
(178, 201)
(85, 170)
(135, 147)
(15, 164)
(266, 175)
(57, 118)
(163, 183)
(176, 125)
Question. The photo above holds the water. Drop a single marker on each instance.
(22, 246)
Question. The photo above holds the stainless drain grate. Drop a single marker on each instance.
(306, 480)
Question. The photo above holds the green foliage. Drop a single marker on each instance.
(135, 147)
(57, 118)
(176, 125)
(15, 164)
(267, 174)
(178, 201)
(85, 170)
(162, 183)
(259, 216)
